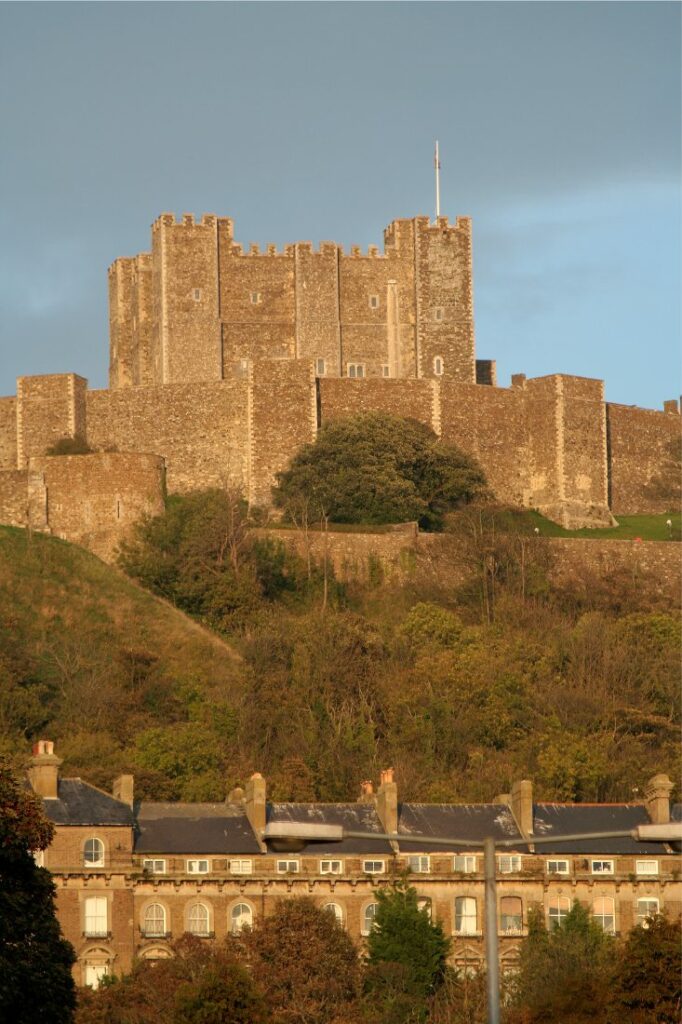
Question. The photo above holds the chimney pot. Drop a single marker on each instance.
(387, 801)
(657, 799)
(43, 772)
(522, 806)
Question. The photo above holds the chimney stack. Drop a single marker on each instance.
(255, 803)
(366, 792)
(657, 799)
(43, 773)
(522, 806)
(124, 789)
(387, 801)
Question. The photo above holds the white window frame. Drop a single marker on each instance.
(366, 927)
(291, 866)
(509, 863)
(603, 917)
(194, 866)
(356, 371)
(374, 302)
(93, 973)
(438, 366)
(468, 916)
(320, 367)
(331, 867)
(241, 916)
(646, 867)
(643, 919)
(466, 863)
(419, 863)
(374, 867)
(90, 860)
(241, 866)
(207, 910)
(150, 930)
(565, 870)
(95, 917)
(154, 865)
(336, 909)
(602, 867)
(517, 929)
(561, 910)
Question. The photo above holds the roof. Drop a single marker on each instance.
(455, 821)
(353, 817)
(193, 828)
(569, 819)
(79, 803)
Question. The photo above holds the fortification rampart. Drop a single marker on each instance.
(644, 466)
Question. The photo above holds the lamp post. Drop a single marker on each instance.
(295, 835)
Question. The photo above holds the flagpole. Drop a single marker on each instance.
(436, 163)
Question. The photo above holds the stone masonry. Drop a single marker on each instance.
(224, 361)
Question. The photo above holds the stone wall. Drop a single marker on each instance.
(640, 441)
(8, 433)
(13, 497)
(48, 408)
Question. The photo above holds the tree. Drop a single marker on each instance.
(308, 960)
(36, 983)
(564, 973)
(377, 468)
(407, 952)
(646, 982)
(224, 996)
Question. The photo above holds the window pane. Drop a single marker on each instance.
(646, 908)
(336, 910)
(198, 919)
(465, 915)
(96, 918)
(559, 907)
(93, 852)
(368, 918)
(511, 915)
(604, 913)
(241, 917)
(155, 920)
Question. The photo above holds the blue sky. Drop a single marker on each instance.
(559, 128)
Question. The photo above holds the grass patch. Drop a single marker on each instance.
(651, 527)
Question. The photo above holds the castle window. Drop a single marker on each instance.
(465, 915)
(559, 907)
(438, 366)
(320, 368)
(154, 921)
(241, 867)
(419, 864)
(197, 294)
(646, 909)
(197, 867)
(241, 916)
(368, 916)
(197, 920)
(154, 867)
(385, 370)
(93, 853)
(256, 298)
(95, 917)
(603, 911)
(511, 915)
(466, 863)
(438, 313)
(374, 302)
(356, 370)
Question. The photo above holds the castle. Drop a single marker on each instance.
(223, 362)
(132, 876)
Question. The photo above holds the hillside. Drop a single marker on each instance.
(461, 687)
(93, 661)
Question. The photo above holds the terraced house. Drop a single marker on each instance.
(133, 876)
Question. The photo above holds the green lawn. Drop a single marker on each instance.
(629, 527)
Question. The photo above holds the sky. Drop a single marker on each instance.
(559, 131)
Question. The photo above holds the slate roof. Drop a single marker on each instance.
(455, 821)
(80, 803)
(576, 818)
(354, 817)
(193, 828)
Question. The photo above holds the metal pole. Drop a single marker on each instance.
(437, 166)
(492, 957)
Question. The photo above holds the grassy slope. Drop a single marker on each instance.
(79, 617)
(629, 527)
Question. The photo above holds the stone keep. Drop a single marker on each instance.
(224, 361)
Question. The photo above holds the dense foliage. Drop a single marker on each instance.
(377, 468)
(35, 960)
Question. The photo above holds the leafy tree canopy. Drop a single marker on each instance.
(646, 986)
(377, 468)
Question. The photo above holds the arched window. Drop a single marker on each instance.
(465, 915)
(336, 910)
(154, 920)
(438, 366)
(198, 920)
(368, 916)
(241, 916)
(511, 915)
(559, 907)
(93, 853)
(604, 913)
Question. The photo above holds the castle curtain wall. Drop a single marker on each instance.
(641, 442)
